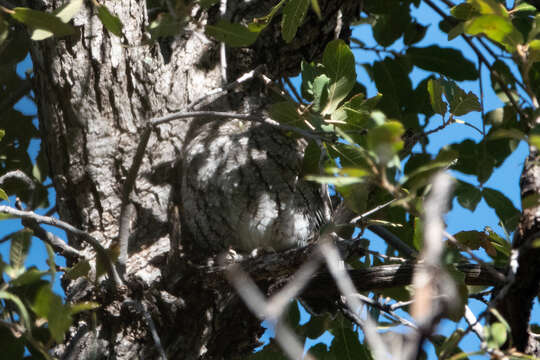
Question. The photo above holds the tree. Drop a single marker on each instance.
(165, 147)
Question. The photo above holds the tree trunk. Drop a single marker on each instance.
(95, 93)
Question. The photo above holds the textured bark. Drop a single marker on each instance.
(516, 301)
(95, 93)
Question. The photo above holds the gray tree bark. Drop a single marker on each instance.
(95, 93)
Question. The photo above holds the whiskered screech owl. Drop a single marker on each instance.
(241, 189)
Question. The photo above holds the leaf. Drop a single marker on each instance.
(68, 11)
(111, 22)
(320, 92)
(497, 28)
(445, 61)
(392, 80)
(20, 245)
(23, 312)
(339, 65)
(79, 269)
(418, 236)
(385, 140)
(259, 24)
(309, 73)
(464, 11)
(30, 276)
(316, 8)
(48, 305)
(2, 134)
(3, 195)
(450, 345)
(312, 159)
(40, 20)
(435, 91)
(501, 245)
(293, 15)
(460, 102)
(286, 112)
(165, 25)
(336, 180)
(82, 306)
(467, 195)
(503, 207)
(234, 35)
(489, 7)
(4, 34)
(496, 335)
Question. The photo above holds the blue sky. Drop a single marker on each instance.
(505, 178)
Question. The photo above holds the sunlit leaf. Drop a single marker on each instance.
(48, 305)
(385, 140)
(460, 102)
(316, 8)
(497, 28)
(82, 306)
(40, 20)
(3, 195)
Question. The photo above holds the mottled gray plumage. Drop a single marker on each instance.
(241, 189)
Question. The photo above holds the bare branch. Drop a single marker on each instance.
(98, 248)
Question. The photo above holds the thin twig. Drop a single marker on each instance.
(293, 90)
(152, 326)
(348, 290)
(222, 48)
(372, 211)
(98, 248)
(387, 309)
(256, 302)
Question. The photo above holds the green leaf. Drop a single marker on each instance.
(446, 61)
(489, 7)
(464, 11)
(234, 35)
(385, 140)
(4, 34)
(467, 195)
(111, 22)
(460, 102)
(309, 73)
(312, 159)
(2, 134)
(435, 91)
(503, 207)
(320, 92)
(30, 276)
(165, 25)
(496, 335)
(79, 269)
(497, 28)
(316, 8)
(23, 312)
(418, 236)
(259, 24)
(450, 345)
(82, 306)
(337, 180)
(49, 306)
(392, 79)
(20, 245)
(3, 195)
(206, 4)
(293, 15)
(339, 65)
(286, 112)
(40, 20)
